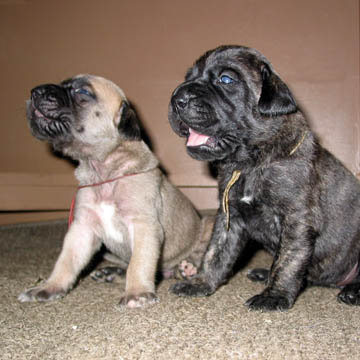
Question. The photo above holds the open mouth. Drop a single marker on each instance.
(43, 120)
(47, 126)
(194, 138)
(197, 139)
(39, 115)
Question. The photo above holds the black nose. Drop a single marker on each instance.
(47, 89)
(51, 93)
(38, 91)
(181, 98)
(182, 102)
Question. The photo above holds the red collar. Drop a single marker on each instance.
(72, 206)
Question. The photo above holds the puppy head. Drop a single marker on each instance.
(82, 117)
(230, 97)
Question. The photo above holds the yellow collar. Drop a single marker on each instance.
(299, 143)
(225, 201)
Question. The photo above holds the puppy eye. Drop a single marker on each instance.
(225, 79)
(82, 91)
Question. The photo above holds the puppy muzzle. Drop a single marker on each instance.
(189, 108)
(49, 112)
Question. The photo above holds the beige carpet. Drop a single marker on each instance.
(87, 324)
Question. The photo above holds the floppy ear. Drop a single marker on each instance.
(276, 98)
(128, 123)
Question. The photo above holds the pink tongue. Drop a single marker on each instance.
(196, 139)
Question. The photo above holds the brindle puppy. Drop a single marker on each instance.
(124, 200)
(278, 186)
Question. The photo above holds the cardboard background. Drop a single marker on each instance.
(146, 48)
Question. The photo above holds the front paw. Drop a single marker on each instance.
(41, 294)
(197, 288)
(268, 302)
(139, 300)
(350, 295)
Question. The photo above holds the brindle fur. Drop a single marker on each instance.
(293, 196)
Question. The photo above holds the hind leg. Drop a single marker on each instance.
(110, 273)
(186, 270)
(107, 274)
(350, 294)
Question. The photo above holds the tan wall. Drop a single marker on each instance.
(146, 47)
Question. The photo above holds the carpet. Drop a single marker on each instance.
(88, 324)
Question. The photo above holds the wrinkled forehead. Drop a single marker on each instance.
(105, 90)
(233, 57)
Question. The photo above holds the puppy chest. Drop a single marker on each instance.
(115, 232)
(243, 190)
(252, 188)
(250, 201)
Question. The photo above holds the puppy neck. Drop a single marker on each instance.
(282, 141)
(130, 157)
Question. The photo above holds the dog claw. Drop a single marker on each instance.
(40, 294)
(268, 303)
(140, 300)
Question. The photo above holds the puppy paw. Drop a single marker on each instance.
(191, 289)
(187, 270)
(41, 294)
(350, 294)
(140, 300)
(268, 303)
(258, 275)
(107, 274)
